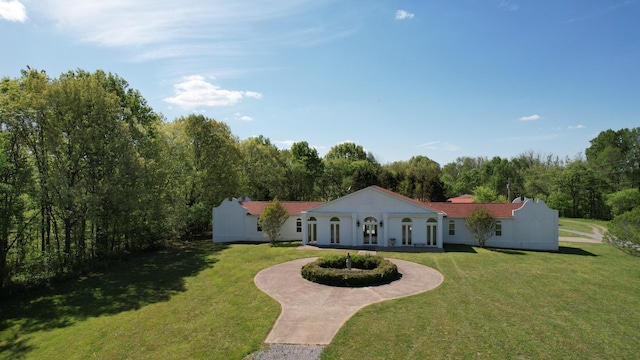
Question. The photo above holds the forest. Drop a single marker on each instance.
(90, 173)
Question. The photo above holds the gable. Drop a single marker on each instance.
(374, 199)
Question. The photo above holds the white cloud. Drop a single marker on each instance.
(429, 144)
(403, 14)
(13, 10)
(439, 145)
(507, 5)
(285, 144)
(241, 117)
(222, 25)
(573, 127)
(531, 117)
(531, 138)
(253, 94)
(195, 91)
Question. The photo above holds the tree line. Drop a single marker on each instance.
(89, 172)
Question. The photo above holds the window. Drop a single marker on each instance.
(432, 224)
(335, 230)
(370, 230)
(258, 224)
(312, 230)
(498, 228)
(452, 228)
(298, 225)
(407, 229)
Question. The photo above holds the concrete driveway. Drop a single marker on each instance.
(312, 313)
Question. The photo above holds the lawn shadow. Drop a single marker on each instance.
(131, 284)
(459, 248)
(288, 244)
(15, 346)
(574, 251)
(507, 251)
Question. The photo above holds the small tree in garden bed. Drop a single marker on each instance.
(273, 217)
(481, 224)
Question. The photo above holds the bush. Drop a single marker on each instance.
(366, 270)
(624, 232)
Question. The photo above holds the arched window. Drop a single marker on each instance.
(498, 228)
(312, 230)
(298, 225)
(335, 230)
(432, 225)
(407, 229)
(452, 227)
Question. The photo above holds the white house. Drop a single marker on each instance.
(375, 217)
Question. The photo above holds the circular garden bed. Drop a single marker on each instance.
(365, 270)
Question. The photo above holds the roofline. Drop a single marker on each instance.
(384, 191)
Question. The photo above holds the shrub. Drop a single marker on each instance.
(366, 270)
(624, 232)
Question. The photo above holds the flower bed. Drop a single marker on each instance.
(365, 270)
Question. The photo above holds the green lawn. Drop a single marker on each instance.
(201, 302)
(582, 225)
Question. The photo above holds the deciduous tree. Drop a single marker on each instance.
(481, 224)
(271, 220)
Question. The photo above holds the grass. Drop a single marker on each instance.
(581, 225)
(201, 302)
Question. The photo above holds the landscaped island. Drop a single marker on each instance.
(348, 270)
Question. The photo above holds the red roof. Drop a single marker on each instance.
(462, 199)
(461, 210)
(451, 209)
(294, 208)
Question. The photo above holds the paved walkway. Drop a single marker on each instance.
(312, 313)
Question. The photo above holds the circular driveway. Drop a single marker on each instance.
(313, 313)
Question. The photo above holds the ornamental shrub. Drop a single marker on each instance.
(366, 270)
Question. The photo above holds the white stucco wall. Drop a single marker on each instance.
(463, 236)
(386, 209)
(536, 226)
(229, 221)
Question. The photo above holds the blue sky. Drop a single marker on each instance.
(440, 78)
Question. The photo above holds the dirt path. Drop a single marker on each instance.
(595, 236)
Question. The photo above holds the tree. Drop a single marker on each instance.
(273, 217)
(262, 170)
(623, 201)
(616, 157)
(348, 168)
(481, 224)
(462, 176)
(624, 232)
(207, 161)
(486, 194)
(304, 171)
(584, 186)
(346, 150)
(80, 172)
